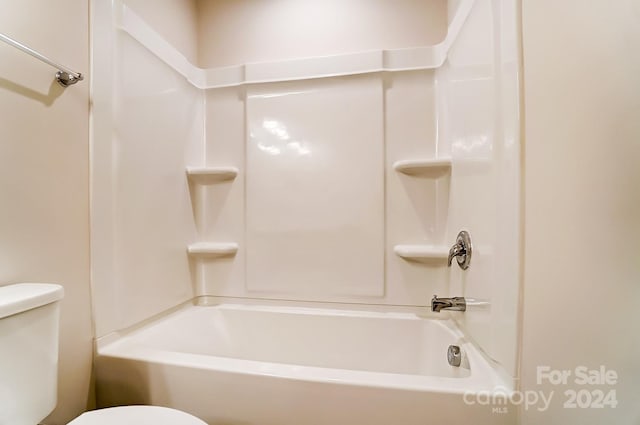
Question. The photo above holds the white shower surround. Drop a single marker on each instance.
(474, 96)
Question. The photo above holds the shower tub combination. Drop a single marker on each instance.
(268, 365)
(277, 363)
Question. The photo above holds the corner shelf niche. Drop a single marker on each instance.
(430, 168)
(434, 167)
(211, 175)
(422, 252)
(212, 249)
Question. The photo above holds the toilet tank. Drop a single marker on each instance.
(29, 323)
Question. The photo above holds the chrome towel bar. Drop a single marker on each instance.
(64, 76)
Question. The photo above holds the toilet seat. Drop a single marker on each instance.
(136, 415)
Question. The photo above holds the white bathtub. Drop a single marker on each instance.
(265, 365)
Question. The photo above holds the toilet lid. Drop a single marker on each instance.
(136, 415)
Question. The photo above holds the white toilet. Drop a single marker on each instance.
(29, 323)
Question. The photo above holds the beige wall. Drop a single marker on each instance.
(44, 176)
(232, 32)
(582, 204)
(174, 20)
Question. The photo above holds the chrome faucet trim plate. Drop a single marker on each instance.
(461, 250)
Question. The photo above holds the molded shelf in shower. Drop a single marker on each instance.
(212, 249)
(423, 166)
(422, 252)
(209, 175)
